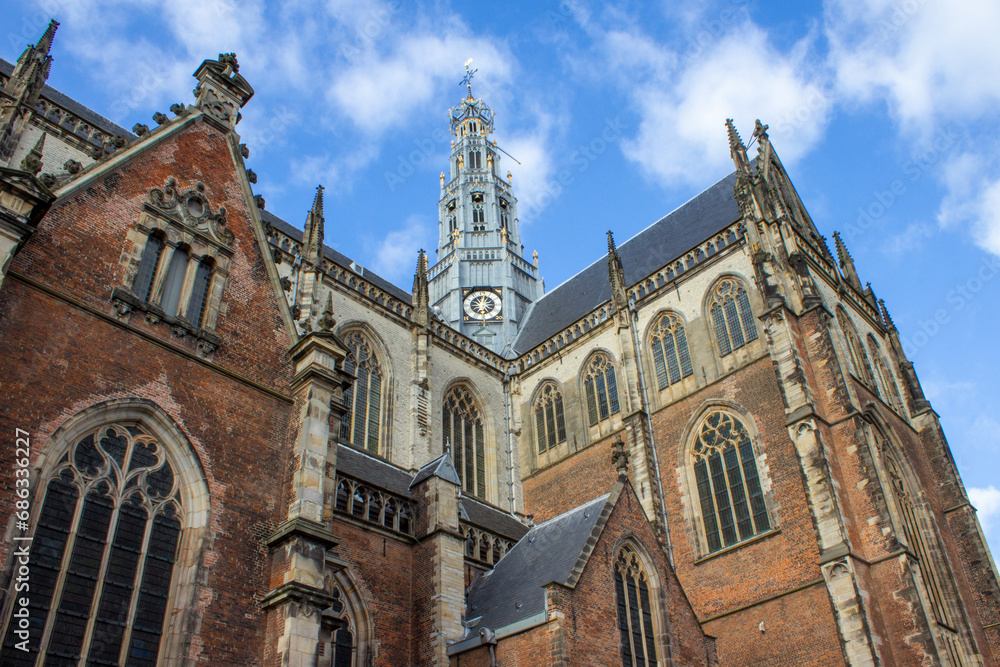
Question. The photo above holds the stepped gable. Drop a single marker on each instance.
(69, 104)
(336, 257)
(373, 471)
(492, 519)
(662, 242)
(513, 590)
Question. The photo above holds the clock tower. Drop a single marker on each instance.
(481, 284)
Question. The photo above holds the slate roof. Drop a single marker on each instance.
(92, 117)
(512, 591)
(492, 519)
(373, 471)
(662, 242)
(339, 258)
(440, 467)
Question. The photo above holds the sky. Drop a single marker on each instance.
(883, 112)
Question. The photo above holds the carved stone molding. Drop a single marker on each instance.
(192, 209)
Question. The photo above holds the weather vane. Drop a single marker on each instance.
(467, 79)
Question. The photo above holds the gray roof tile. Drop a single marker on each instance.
(373, 471)
(492, 519)
(662, 242)
(547, 553)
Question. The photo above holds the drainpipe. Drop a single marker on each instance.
(649, 426)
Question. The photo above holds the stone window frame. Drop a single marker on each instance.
(915, 528)
(382, 359)
(860, 363)
(688, 481)
(686, 382)
(182, 610)
(888, 379)
(184, 222)
(489, 459)
(657, 598)
(588, 370)
(549, 391)
(745, 316)
(484, 547)
(353, 614)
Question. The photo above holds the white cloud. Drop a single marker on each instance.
(682, 139)
(973, 198)
(932, 60)
(335, 172)
(396, 254)
(381, 92)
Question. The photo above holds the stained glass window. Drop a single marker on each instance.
(362, 424)
(601, 389)
(671, 356)
(550, 423)
(462, 427)
(635, 613)
(729, 489)
(103, 554)
(732, 317)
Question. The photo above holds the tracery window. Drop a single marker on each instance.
(635, 613)
(550, 423)
(732, 316)
(478, 215)
(601, 389)
(859, 357)
(103, 554)
(729, 489)
(886, 376)
(463, 432)
(924, 545)
(361, 425)
(671, 356)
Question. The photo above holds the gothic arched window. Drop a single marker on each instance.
(550, 423)
(886, 376)
(362, 423)
(859, 357)
(102, 554)
(463, 431)
(601, 388)
(670, 351)
(924, 546)
(732, 316)
(635, 612)
(199, 292)
(478, 215)
(729, 489)
(142, 286)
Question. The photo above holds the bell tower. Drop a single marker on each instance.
(481, 284)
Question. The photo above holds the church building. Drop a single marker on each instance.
(226, 443)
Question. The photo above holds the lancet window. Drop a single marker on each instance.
(635, 611)
(729, 489)
(463, 431)
(732, 316)
(859, 357)
(361, 425)
(103, 554)
(550, 423)
(924, 545)
(886, 377)
(601, 388)
(671, 356)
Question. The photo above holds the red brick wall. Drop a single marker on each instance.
(59, 359)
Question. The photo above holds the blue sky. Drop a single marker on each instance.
(884, 113)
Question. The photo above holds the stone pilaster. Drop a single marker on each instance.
(300, 547)
(442, 554)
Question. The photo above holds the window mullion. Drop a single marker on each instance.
(136, 583)
(95, 602)
(57, 590)
(166, 256)
(186, 287)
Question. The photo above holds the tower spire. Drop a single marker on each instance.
(44, 44)
(421, 296)
(846, 263)
(312, 236)
(886, 319)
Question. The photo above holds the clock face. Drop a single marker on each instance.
(482, 304)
